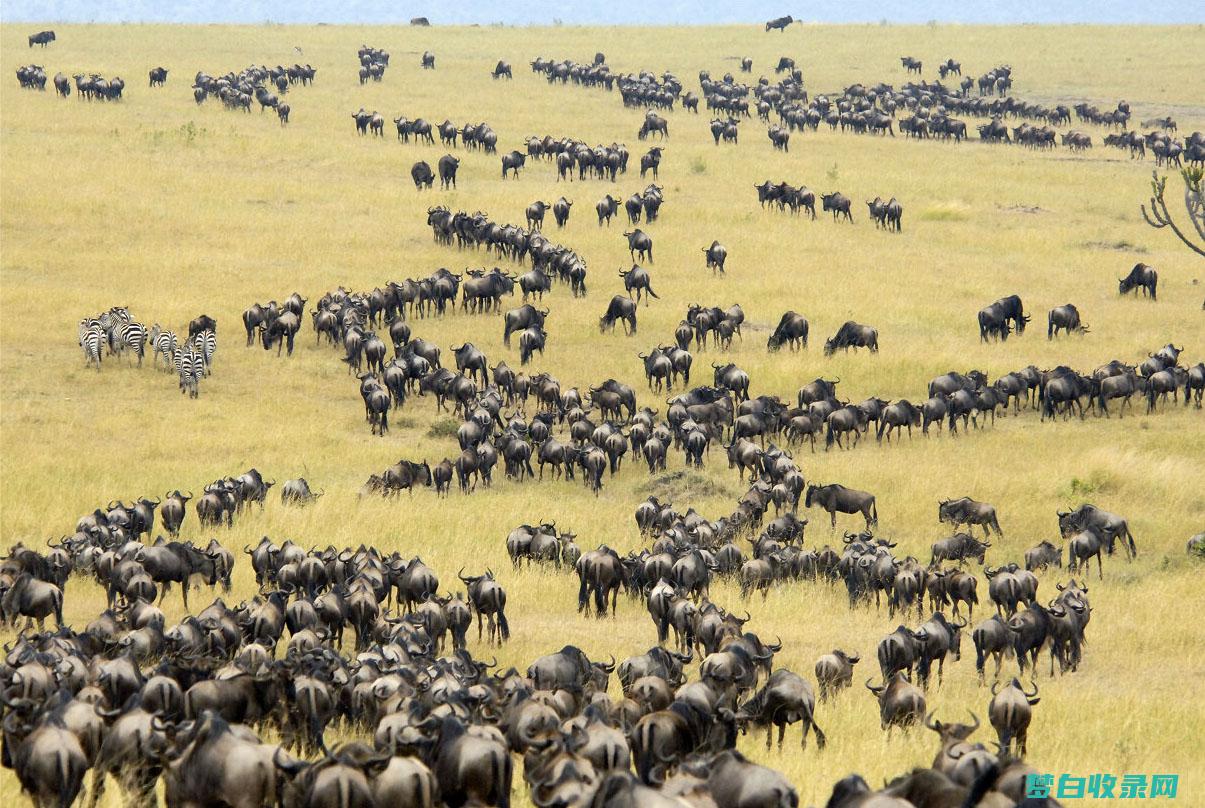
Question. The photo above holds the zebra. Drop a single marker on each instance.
(112, 321)
(206, 343)
(133, 335)
(163, 343)
(90, 340)
(190, 364)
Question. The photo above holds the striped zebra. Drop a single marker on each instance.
(206, 343)
(163, 343)
(112, 321)
(190, 365)
(133, 335)
(90, 340)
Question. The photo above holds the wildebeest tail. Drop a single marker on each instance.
(503, 626)
(649, 289)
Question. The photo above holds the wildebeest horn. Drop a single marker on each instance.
(1035, 689)
(928, 718)
(874, 689)
(995, 686)
(963, 624)
(974, 718)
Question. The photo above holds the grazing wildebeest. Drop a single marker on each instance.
(1065, 318)
(838, 203)
(716, 254)
(837, 498)
(852, 335)
(966, 511)
(640, 243)
(785, 699)
(620, 308)
(1140, 276)
(422, 175)
(959, 547)
(792, 329)
(502, 69)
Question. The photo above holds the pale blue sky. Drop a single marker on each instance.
(604, 12)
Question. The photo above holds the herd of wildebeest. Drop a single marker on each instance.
(232, 705)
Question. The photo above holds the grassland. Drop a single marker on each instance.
(174, 209)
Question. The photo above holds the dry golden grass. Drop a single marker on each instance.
(175, 210)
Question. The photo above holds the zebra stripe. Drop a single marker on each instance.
(189, 366)
(163, 343)
(90, 341)
(133, 335)
(206, 343)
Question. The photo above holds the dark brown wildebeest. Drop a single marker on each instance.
(1010, 712)
(852, 335)
(785, 699)
(838, 203)
(42, 38)
(1065, 318)
(716, 255)
(428, 60)
(959, 547)
(158, 76)
(902, 413)
(640, 243)
(887, 215)
(792, 329)
(836, 498)
(1110, 526)
(991, 638)
(637, 278)
(777, 24)
(1140, 276)
(422, 175)
(1043, 555)
(448, 165)
(620, 308)
(901, 703)
(966, 511)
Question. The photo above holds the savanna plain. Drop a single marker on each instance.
(175, 209)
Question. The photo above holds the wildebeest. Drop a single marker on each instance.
(637, 279)
(422, 175)
(620, 308)
(513, 162)
(1141, 276)
(966, 511)
(779, 23)
(448, 166)
(298, 492)
(887, 215)
(1010, 712)
(836, 499)
(792, 329)
(852, 335)
(158, 76)
(901, 703)
(835, 672)
(640, 244)
(1109, 526)
(838, 203)
(1065, 318)
(502, 69)
(42, 38)
(716, 255)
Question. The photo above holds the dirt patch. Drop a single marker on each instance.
(1033, 209)
(1120, 246)
(683, 487)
